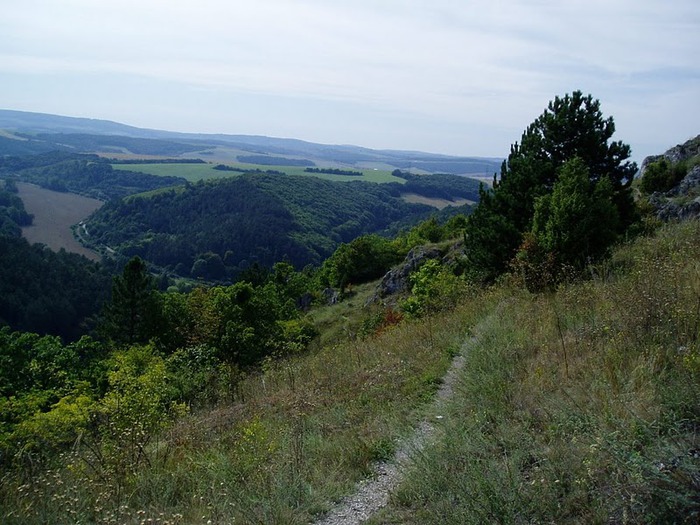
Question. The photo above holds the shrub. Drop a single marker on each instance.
(662, 175)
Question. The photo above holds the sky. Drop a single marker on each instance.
(461, 77)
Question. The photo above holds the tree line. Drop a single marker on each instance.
(334, 171)
(84, 174)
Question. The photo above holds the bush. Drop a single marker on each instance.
(662, 175)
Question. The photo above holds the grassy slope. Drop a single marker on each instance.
(577, 407)
(291, 440)
(568, 407)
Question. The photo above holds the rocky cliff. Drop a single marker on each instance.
(681, 202)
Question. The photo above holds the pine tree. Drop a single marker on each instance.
(572, 126)
(133, 312)
(577, 222)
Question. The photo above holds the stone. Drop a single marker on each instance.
(331, 296)
(396, 280)
(676, 204)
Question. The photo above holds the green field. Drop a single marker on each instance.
(197, 172)
(191, 172)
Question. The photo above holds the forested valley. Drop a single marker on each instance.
(215, 230)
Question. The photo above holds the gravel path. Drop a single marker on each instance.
(373, 494)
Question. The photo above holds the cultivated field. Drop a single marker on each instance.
(54, 214)
(196, 172)
(414, 198)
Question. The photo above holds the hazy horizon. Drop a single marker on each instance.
(441, 76)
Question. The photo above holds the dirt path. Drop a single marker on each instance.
(373, 494)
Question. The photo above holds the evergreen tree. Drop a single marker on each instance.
(133, 314)
(572, 126)
(578, 220)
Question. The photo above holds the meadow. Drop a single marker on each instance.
(576, 406)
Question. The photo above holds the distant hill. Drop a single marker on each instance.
(28, 133)
(216, 229)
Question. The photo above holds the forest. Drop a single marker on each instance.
(215, 230)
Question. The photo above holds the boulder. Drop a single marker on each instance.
(396, 280)
(331, 296)
(689, 183)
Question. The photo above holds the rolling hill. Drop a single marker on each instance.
(27, 132)
(215, 197)
(253, 218)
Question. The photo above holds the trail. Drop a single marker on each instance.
(372, 494)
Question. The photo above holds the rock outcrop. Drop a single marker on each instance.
(681, 202)
(396, 280)
(678, 153)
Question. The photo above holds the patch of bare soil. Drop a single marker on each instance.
(413, 198)
(54, 214)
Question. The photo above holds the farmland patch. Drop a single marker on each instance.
(54, 214)
(414, 198)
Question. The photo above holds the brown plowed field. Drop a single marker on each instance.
(54, 214)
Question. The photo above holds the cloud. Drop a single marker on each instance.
(480, 63)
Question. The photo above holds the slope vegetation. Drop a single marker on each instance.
(574, 406)
(580, 406)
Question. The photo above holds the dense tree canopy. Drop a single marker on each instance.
(132, 315)
(48, 292)
(248, 219)
(12, 212)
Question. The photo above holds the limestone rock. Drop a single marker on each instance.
(681, 202)
(331, 296)
(396, 281)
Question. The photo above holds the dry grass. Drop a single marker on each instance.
(578, 407)
(295, 437)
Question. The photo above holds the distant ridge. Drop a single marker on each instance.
(48, 129)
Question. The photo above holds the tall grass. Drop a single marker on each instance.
(295, 437)
(582, 406)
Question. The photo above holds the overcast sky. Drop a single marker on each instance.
(462, 77)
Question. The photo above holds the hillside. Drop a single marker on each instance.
(576, 406)
(573, 387)
(235, 222)
(37, 132)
